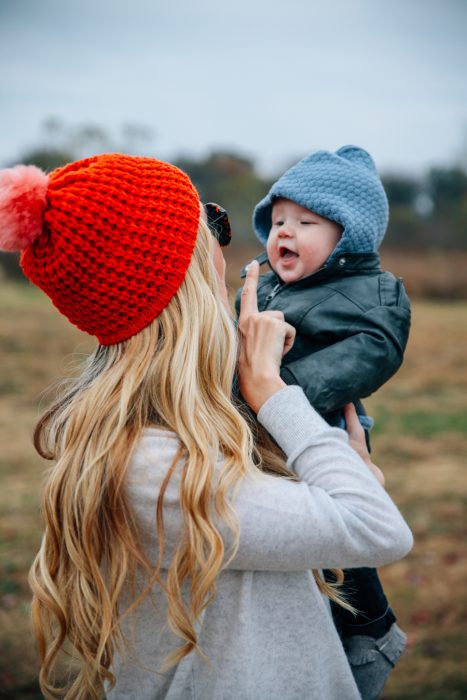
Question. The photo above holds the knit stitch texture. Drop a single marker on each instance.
(268, 633)
(119, 233)
(344, 187)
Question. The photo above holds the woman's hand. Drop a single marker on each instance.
(358, 442)
(264, 339)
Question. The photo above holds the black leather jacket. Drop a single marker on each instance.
(352, 323)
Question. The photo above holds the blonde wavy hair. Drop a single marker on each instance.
(177, 373)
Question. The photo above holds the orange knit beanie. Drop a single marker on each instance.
(108, 238)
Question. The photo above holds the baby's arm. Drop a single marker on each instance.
(370, 352)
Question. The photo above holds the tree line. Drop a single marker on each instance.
(426, 213)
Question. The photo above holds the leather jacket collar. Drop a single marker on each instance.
(343, 264)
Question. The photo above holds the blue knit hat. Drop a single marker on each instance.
(343, 186)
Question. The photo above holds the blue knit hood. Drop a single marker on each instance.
(343, 186)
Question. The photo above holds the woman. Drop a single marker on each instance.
(177, 561)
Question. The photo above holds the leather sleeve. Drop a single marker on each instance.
(356, 366)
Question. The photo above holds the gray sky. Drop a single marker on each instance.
(272, 80)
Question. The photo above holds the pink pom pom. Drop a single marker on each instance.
(23, 191)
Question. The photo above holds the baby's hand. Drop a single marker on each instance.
(358, 442)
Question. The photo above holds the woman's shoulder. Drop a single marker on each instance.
(150, 462)
(155, 433)
(157, 439)
(153, 454)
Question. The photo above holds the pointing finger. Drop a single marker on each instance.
(249, 301)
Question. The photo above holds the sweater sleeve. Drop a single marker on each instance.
(337, 515)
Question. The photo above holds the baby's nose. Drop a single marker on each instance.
(284, 232)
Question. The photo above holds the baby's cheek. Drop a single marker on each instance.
(270, 248)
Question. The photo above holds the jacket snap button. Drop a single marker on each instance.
(342, 261)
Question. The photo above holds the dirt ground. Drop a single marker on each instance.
(420, 441)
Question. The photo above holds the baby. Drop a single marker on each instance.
(322, 223)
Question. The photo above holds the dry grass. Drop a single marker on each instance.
(420, 440)
(437, 274)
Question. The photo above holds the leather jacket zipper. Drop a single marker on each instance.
(275, 290)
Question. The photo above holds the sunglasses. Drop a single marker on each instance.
(219, 223)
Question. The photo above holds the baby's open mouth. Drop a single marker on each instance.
(286, 253)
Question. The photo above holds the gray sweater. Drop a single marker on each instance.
(268, 634)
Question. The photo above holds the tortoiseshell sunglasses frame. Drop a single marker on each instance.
(218, 222)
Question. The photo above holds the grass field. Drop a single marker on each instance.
(420, 440)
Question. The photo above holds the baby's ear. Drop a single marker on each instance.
(357, 155)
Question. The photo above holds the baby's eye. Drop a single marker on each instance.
(306, 222)
(279, 222)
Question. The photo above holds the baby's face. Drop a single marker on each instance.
(300, 241)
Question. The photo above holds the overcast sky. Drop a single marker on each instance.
(272, 80)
